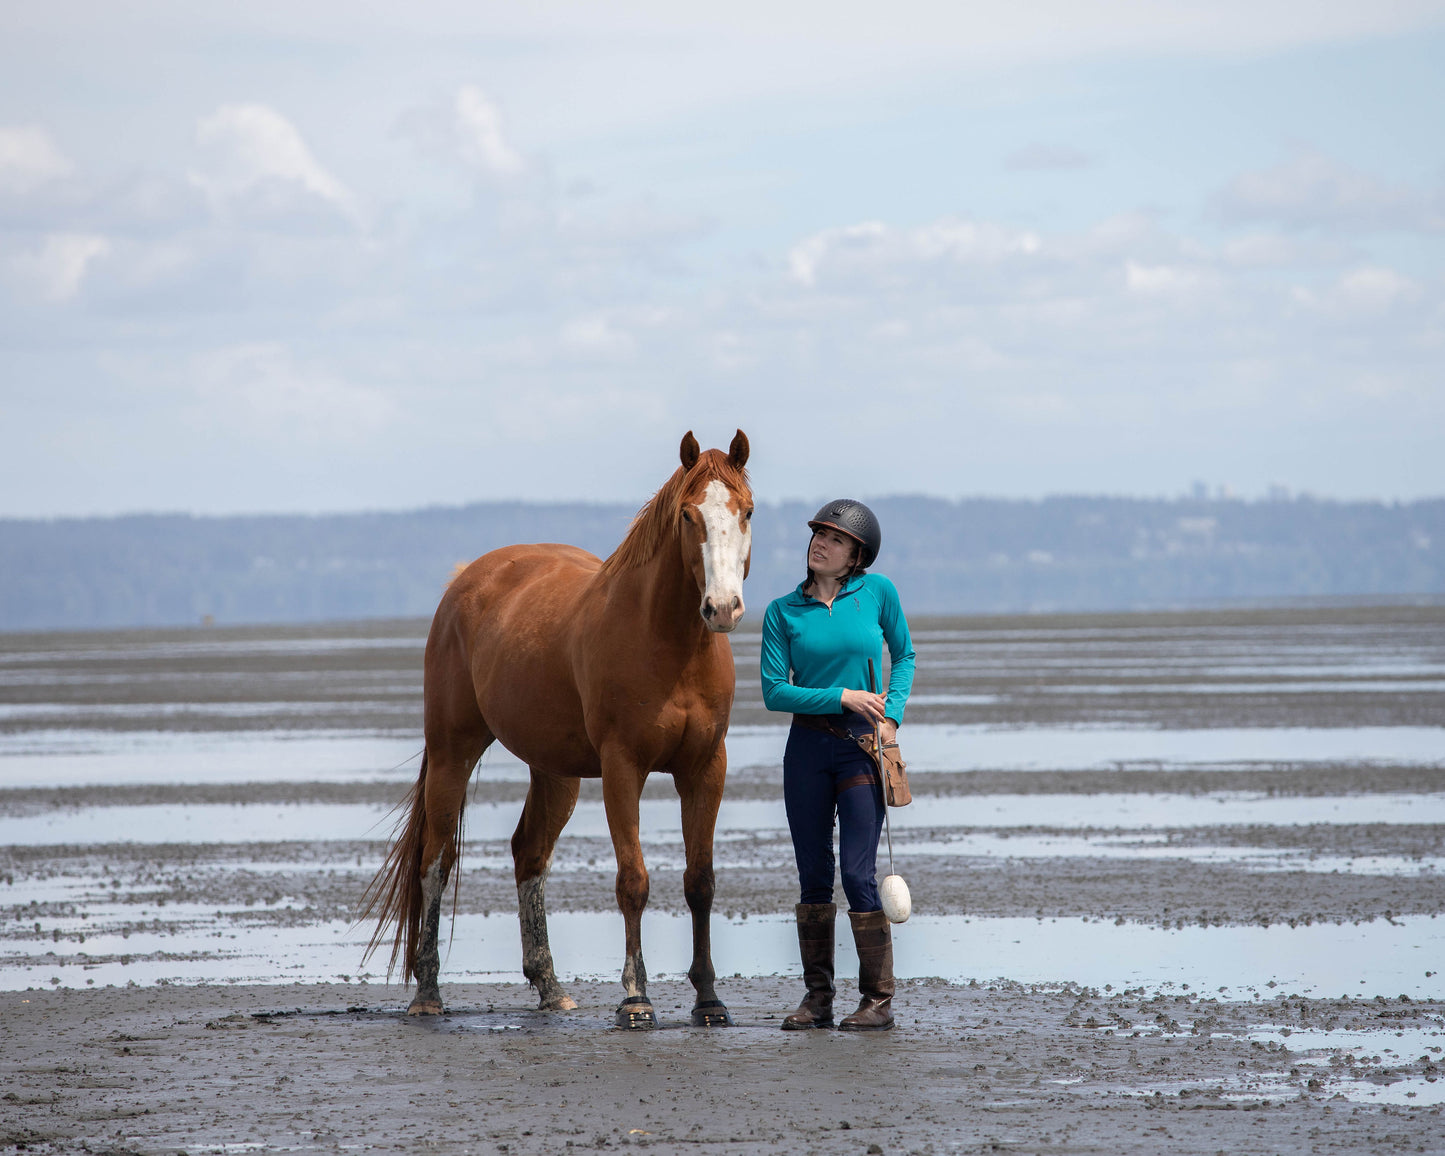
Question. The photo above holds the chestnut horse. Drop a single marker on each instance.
(582, 669)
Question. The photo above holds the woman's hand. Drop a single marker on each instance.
(869, 705)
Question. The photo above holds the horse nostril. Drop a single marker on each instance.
(737, 602)
(708, 609)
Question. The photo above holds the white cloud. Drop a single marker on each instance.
(262, 388)
(871, 247)
(29, 159)
(466, 129)
(1273, 251)
(593, 337)
(259, 163)
(1172, 280)
(480, 136)
(1311, 190)
(56, 270)
(1361, 294)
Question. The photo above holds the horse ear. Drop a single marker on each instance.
(738, 451)
(690, 451)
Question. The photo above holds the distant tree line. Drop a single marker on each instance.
(979, 555)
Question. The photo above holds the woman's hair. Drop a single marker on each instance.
(853, 571)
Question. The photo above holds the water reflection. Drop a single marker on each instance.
(1323, 960)
(660, 820)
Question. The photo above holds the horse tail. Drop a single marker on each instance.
(394, 896)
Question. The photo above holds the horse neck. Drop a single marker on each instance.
(668, 595)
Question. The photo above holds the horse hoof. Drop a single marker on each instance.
(425, 1007)
(712, 1014)
(635, 1015)
(562, 1002)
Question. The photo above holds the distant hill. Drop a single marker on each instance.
(978, 555)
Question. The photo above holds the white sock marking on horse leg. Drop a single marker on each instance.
(428, 953)
(536, 951)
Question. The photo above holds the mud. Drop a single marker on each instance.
(997, 1068)
(97, 727)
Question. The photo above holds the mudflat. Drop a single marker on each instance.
(993, 1068)
(1216, 840)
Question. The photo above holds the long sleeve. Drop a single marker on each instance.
(900, 651)
(779, 693)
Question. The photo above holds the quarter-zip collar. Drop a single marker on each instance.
(799, 598)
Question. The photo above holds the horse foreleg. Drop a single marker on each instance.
(621, 792)
(701, 796)
(549, 805)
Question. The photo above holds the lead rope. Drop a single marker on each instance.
(882, 772)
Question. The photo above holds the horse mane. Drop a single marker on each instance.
(656, 522)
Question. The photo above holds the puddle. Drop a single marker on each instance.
(65, 758)
(1412, 1091)
(45, 712)
(959, 747)
(660, 820)
(68, 758)
(1391, 1046)
(1317, 686)
(1332, 1054)
(1139, 846)
(198, 945)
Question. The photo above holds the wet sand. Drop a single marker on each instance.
(986, 1069)
(981, 1065)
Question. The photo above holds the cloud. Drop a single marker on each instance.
(1362, 295)
(596, 338)
(263, 389)
(1170, 280)
(480, 137)
(29, 159)
(260, 168)
(1309, 190)
(1042, 156)
(1273, 251)
(868, 249)
(467, 129)
(56, 270)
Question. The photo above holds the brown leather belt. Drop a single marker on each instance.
(828, 724)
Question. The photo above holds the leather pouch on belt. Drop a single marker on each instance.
(893, 769)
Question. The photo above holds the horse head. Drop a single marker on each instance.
(715, 512)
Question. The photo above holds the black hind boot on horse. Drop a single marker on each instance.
(815, 943)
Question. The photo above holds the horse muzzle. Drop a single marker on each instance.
(722, 614)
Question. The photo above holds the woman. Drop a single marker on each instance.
(816, 645)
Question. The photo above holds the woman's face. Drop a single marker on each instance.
(831, 553)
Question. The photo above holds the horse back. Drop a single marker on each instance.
(500, 649)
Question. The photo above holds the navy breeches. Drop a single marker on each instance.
(820, 773)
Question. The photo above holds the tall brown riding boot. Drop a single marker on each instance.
(874, 939)
(815, 942)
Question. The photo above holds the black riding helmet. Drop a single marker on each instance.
(857, 521)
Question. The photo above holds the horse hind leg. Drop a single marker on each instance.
(550, 801)
(443, 798)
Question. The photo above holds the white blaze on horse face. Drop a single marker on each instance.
(729, 538)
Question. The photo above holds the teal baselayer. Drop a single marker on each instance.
(812, 653)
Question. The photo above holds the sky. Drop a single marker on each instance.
(321, 256)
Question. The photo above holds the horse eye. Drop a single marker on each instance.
(748, 517)
(687, 515)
